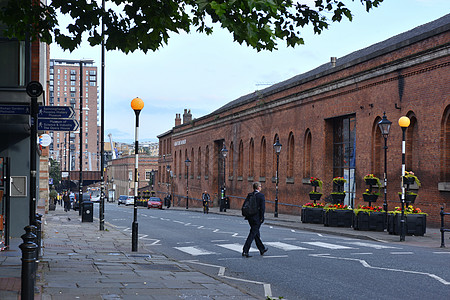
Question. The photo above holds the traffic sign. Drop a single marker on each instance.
(56, 112)
(45, 140)
(58, 124)
(14, 109)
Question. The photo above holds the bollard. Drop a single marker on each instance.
(38, 234)
(442, 213)
(28, 248)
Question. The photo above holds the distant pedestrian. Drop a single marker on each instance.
(255, 222)
(66, 200)
(206, 198)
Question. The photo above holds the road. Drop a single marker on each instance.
(298, 265)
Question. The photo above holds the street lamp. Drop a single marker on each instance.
(187, 162)
(168, 184)
(137, 105)
(404, 123)
(277, 147)
(384, 126)
(224, 153)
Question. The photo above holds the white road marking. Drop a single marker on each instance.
(218, 241)
(401, 253)
(441, 252)
(370, 245)
(285, 247)
(275, 256)
(194, 251)
(366, 265)
(367, 253)
(327, 245)
(236, 247)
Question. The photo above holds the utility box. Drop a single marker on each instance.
(87, 211)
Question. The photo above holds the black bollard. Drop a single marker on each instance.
(28, 248)
(38, 234)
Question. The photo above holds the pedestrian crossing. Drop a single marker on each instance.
(216, 248)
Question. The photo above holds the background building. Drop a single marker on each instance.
(327, 122)
(64, 87)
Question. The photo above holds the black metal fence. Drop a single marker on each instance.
(442, 226)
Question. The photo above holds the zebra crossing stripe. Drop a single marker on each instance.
(284, 246)
(376, 246)
(327, 245)
(194, 251)
(236, 247)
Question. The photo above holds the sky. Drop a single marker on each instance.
(202, 73)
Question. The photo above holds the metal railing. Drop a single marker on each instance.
(442, 226)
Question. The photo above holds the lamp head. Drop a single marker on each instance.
(385, 126)
(277, 146)
(137, 104)
(187, 162)
(224, 151)
(404, 122)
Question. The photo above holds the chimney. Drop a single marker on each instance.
(333, 61)
(187, 116)
(177, 120)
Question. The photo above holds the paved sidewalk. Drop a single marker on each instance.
(81, 262)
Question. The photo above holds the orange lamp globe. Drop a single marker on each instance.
(404, 121)
(137, 104)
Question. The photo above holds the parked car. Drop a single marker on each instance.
(76, 203)
(127, 200)
(154, 202)
(95, 195)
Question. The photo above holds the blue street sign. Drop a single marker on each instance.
(58, 124)
(56, 112)
(14, 109)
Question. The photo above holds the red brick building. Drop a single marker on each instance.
(327, 121)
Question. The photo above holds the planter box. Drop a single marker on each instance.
(408, 198)
(314, 197)
(338, 218)
(338, 198)
(415, 224)
(375, 221)
(370, 198)
(312, 215)
(371, 181)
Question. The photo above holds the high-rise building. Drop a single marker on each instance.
(65, 91)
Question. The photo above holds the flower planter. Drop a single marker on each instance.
(312, 215)
(338, 217)
(314, 183)
(337, 198)
(314, 197)
(371, 181)
(370, 198)
(408, 180)
(410, 198)
(415, 224)
(375, 221)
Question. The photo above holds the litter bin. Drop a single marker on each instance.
(87, 212)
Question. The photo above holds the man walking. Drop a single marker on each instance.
(205, 198)
(66, 201)
(255, 222)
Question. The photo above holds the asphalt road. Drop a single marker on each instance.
(298, 265)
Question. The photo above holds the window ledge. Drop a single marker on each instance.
(290, 180)
(250, 178)
(444, 186)
(262, 179)
(239, 178)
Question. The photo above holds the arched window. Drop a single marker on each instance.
(262, 159)
(445, 146)
(377, 150)
(307, 155)
(183, 162)
(411, 140)
(290, 156)
(207, 162)
(251, 159)
(231, 160)
(274, 159)
(241, 160)
(192, 158)
(199, 163)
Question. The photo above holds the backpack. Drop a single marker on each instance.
(250, 206)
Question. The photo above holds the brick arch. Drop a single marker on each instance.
(262, 158)
(307, 154)
(377, 158)
(251, 158)
(290, 155)
(412, 162)
(445, 146)
(274, 156)
(231, 159)
(241, 159)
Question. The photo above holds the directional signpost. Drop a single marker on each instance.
(58, 124)
(14, 109)
(57, 112)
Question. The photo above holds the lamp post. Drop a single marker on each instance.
(137, 105)
(385, 126)
(277, 147)
(168, 184)
(404, 123)
(224, 153)
(187, 162)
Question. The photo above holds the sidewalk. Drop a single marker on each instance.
(81, 262)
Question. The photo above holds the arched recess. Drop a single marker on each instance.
(180, 162)
(183, 162)
(231, 160)
(206, 162)
(241, 160)
(175, 164)
(377, 157)
(445, 146)
(411, 156)
(262, 159)
(251, 158)
(199, 163)
(192, 158)
(290, 156)
(307, 154)
(274, 158)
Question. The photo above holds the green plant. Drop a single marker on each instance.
(339, 180)
(337, 206)
(368, 192)
(408, 210)
(320, 205)
(316, 182)
(338, 193)
(371, 176)
(410, 174)
(368, 209)
(53, 194)
(408, 193)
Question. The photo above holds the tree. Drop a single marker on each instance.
(55, 171)
(148, 24)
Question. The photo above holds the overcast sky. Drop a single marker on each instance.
(202, 73)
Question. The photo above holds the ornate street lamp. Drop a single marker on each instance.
(187, 162)
(385, 126)
(224, 153)
(404, 123)
(137, 105)
(277, 147)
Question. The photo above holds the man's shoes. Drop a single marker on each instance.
(263, 251)
(246, 255)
